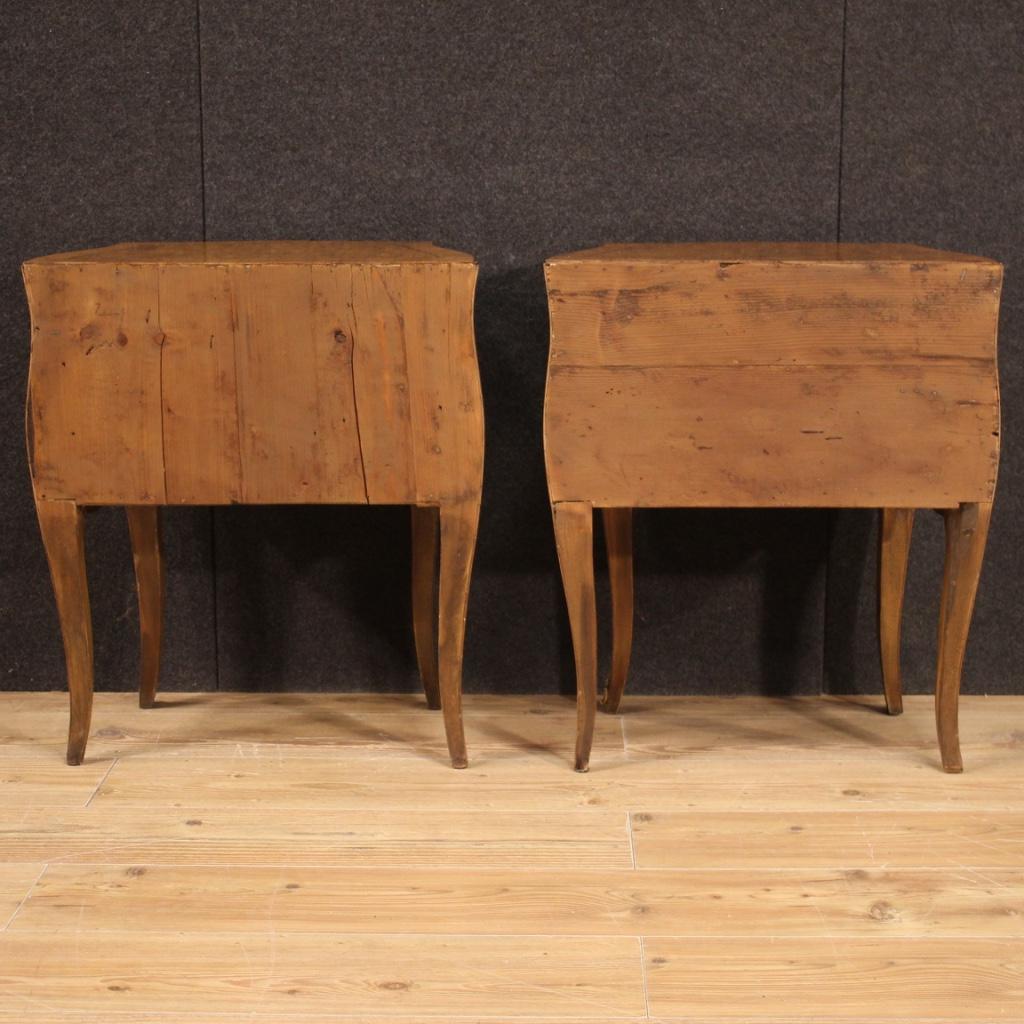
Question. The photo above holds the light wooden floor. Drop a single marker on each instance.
(230, 858)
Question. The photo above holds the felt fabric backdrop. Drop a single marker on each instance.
(514, 131)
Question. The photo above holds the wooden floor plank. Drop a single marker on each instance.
(110, 833)
(24, 1013)
(770, 861)
(529, 780)
(654, 726)
(30, 782)
(747, 905)
(281, 719)
(214, 973)
(893, 980)
(807, 726)
(16, 880)
(815, 839)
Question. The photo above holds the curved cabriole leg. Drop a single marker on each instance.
(893, 555)
(62, 526)
(618, 537)
(574, 536)
(966, 533)
(458, 544)
(147, 555)
(425, 520)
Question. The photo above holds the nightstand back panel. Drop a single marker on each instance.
(207, 383)
(772, 383)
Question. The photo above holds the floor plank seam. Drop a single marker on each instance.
(24, 899)
(643, 978)
(99, 785)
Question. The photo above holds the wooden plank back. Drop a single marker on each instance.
(770, 381)
(198, 381)
(94, 408)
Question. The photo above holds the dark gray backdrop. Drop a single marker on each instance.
(513, 130)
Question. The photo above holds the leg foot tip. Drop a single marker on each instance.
(582, 766)
(433, 705)
(894, 710)
(953, 769)
(75, 759)
(460, 762)
(147, 702)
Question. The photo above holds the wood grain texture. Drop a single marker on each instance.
(94, 399)
(779, 876)
(618, 536)
(772, 436)
(279, 251)
(425, 543)
(148, 559)
(859, 979)
(285, 837)
(16, 880)
(961, 841)
(966, 534)
(397, 975)
(775, 312)
(360, 779)
(840, 904)
(258, 372)
(574, 538)
(772, 375)
(62, 526)
(894, 536)
(199, 318)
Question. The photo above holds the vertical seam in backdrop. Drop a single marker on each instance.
(830, 519)
(211, 511)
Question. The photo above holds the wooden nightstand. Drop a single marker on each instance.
(773, 375)
(256, 373)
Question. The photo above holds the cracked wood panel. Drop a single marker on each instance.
(200, 393)
(781, 376)
(285, 359)
(207, 374)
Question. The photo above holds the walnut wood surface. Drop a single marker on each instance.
(618, 538)
(264, 381)
(148, 559)
(893, 557)
(260, 373)
(779, 375)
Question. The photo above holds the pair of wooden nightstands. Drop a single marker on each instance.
(753, 375)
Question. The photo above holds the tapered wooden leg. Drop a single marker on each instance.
(966, 533)
(574, 536)
(893, 555)
(425, 523)
(147, 554)
(618, 536)
(62, 527)
(458, 544)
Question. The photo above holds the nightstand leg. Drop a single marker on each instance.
(574, 536)
(147, 555)
(618, 536)
(62, 526)
(458, 544)
(966, 533)
(425, 521)
(893, 554)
